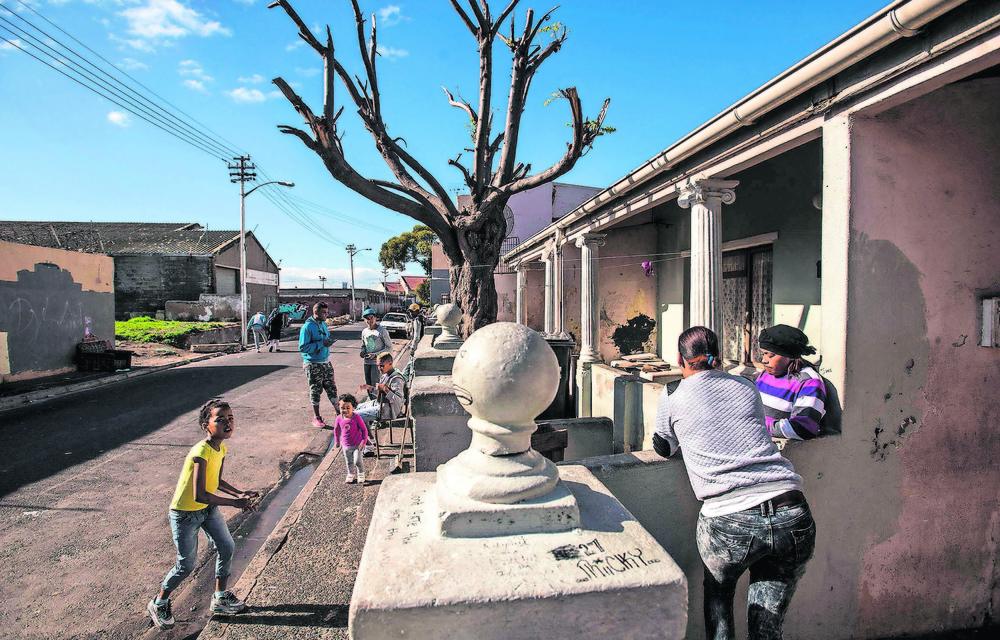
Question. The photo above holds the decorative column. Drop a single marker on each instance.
(588, 244)
(522, 277)
(705, 198)
(548, 257)
(558, 288)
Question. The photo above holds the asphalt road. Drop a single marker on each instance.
(86, 480)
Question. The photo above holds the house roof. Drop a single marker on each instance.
(119, 238)
(393, 287)
(412, 282)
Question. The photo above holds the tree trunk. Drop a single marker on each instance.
(472, 283)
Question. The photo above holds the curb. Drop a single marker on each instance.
(54, 392)
(217, 627)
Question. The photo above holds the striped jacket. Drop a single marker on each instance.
(793, 405)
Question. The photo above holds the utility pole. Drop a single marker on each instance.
(353, 251)
(385, 289)
(242, 171)
(322, 282)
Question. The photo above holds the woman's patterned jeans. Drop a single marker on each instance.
(774, 544)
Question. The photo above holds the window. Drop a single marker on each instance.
(746, 306)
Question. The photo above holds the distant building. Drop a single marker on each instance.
(156, 261)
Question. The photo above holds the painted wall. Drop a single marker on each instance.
(50, 300)
(572, 281)
(506, 284)
(440, 284)
(208, 308)
(909, 522)
(627, 297)
(567, 197)
(534, 296)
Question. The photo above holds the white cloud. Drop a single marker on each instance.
(246, 1)
(195, 85)
(389, 15)
(254, 79)
(295, 45)
(242, 94)
(10, 46)
(192, 68)
(132, 65)
(138, 43)
(306, 72)
(119, 118)
(390, 53)
(158, 19)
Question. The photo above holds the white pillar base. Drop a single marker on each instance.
(608, 578)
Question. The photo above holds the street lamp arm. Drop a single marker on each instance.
(281, 182)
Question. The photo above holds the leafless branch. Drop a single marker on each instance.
(465, 18)
(462, 104)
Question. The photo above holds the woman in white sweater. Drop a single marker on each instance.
(754, 515)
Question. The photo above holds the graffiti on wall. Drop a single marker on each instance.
(45, 313)
(295, 310)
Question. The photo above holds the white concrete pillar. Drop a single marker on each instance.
(559, 288)
(588, 244)
(705, 198)
(589, 318)
(522, 277)
(837, 195)
(548, 257)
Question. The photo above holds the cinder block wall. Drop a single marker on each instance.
(143, 284)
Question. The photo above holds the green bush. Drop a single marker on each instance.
(165, 331)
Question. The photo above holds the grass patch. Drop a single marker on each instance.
(170, 332)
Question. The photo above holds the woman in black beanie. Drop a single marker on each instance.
(792, 390)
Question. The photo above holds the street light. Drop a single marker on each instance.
(243, 251)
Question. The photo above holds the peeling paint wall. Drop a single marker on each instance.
(506, 284)
(50, 300)
(625, 291)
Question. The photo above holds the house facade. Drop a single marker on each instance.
(856, 197)
(160, 262)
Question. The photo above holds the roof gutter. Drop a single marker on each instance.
(899, 20)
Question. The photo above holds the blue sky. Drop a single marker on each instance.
(69, 154)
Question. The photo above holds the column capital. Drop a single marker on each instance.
(591, 239)
(700, 191)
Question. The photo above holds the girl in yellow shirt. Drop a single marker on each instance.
(196, 506)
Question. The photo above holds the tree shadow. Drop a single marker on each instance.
(41, 441)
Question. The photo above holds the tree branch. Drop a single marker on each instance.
(465, 18)
(461, 104)
(304, 31)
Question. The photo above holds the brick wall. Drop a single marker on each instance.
(143, 284)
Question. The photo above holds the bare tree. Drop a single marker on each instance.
(471, 237)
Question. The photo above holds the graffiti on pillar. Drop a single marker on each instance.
(45, 313)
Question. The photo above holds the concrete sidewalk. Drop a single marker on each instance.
(299, 584)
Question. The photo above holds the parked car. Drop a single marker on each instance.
(396, 323)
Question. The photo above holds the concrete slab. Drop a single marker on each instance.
(607, 579)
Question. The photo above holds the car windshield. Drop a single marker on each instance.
(393, 317)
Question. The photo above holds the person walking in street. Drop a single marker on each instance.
(314, 343)
(256, 326)
(350, 432)
(417, 332)
(275, 323)
(374, 340)
(793, 392)
(196, 506)
(754, 515)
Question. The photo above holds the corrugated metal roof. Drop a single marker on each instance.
(119, 238)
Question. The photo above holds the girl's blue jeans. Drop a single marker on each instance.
(774, 544)
(185, 525)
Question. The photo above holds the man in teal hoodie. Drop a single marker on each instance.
(314, 343)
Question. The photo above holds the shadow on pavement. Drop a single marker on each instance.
(294, 615)
(40, 441)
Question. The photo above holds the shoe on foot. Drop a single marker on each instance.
(227, 603)
(318, 422)
(160, 613)
(361, 478)
(349, 479)
(270, 348)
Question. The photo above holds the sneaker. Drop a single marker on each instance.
(270, 348)
(349, 479)
(361, 478)
(160, 613)
(227, 603)
(318, 422)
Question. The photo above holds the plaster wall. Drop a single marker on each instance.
(572, 283)
(627, 298)
(534, 296)
(50, 300)
(567, 197)
(506, 284)
(440, 284)
(532, 211)
(906, 497)
(260, 297)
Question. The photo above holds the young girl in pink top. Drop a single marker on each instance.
(350, 432)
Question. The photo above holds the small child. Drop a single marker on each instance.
(350, 432)
(196, 506)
